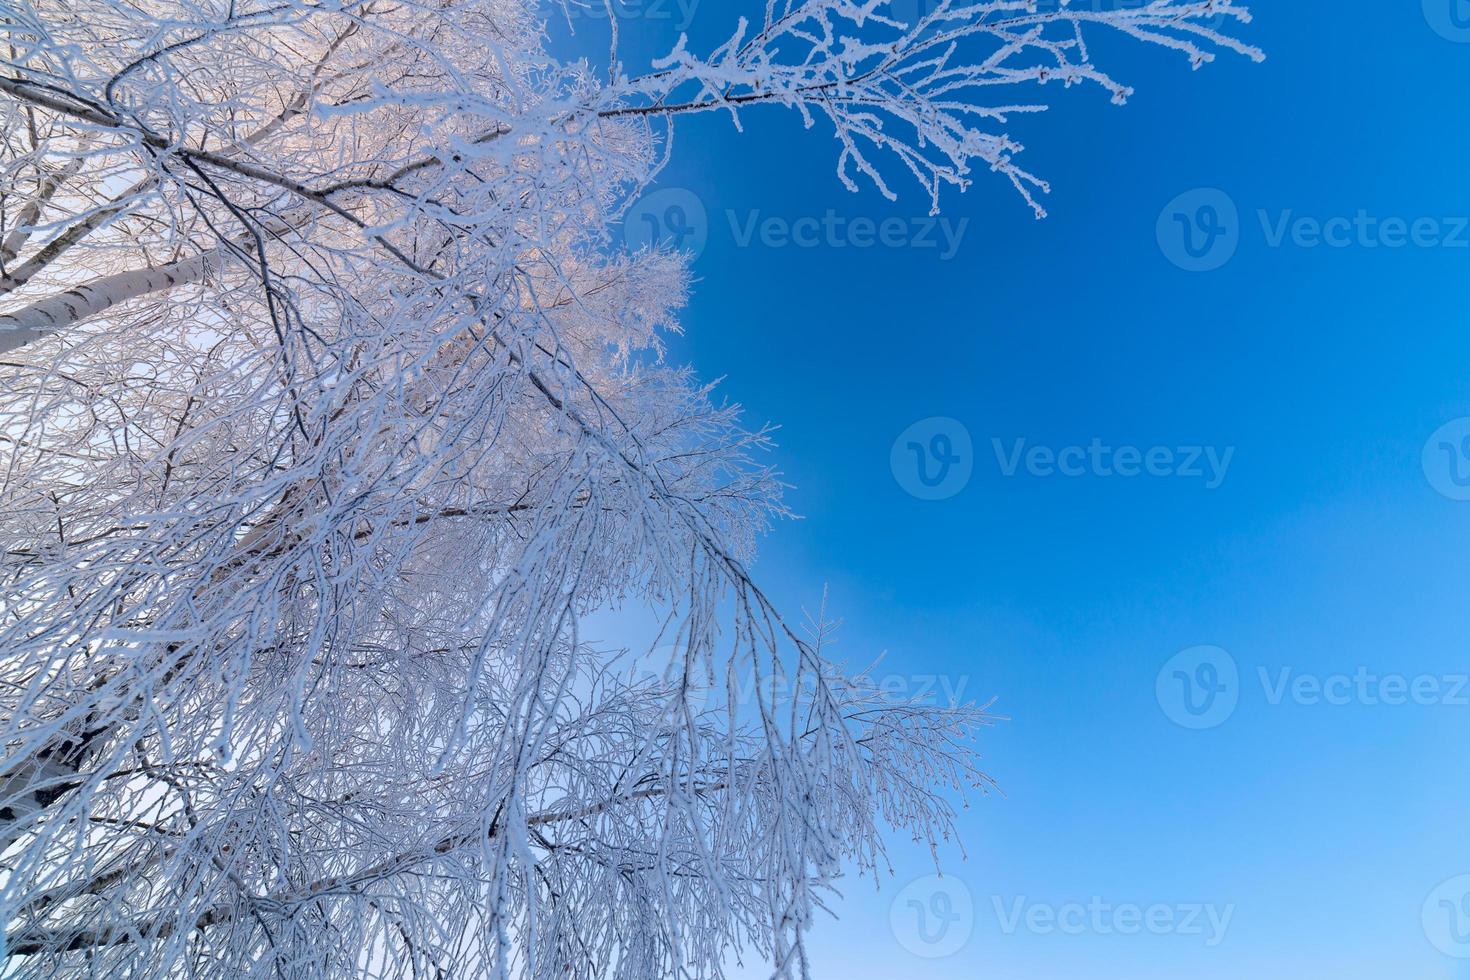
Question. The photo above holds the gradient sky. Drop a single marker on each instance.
(1326, 550)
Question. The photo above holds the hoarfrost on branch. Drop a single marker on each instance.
(329, 413)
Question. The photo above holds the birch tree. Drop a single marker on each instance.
(329, 414)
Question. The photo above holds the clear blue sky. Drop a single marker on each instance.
(1324, 828)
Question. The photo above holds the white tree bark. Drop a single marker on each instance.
(80, 303)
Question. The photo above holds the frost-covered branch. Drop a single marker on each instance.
(329, 417)
(931, 94)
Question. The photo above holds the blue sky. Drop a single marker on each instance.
(1330, 833)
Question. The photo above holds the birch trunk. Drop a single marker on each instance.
(46, 316)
